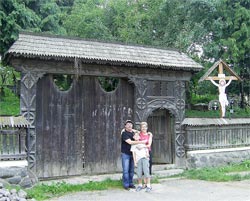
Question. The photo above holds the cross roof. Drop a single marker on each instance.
(221, 65)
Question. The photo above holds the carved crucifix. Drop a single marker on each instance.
(222, 84)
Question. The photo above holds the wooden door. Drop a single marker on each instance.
(161, 124)
(59, 128)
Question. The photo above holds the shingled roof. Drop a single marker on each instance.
(11, 121)
(31, 45)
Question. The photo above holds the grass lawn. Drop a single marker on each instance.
(220, 174)
(230, 172)
(237, 113)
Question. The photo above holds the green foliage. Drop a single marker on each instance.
(203, 114)
(220, 174)
(8, 75)
(15, 16)
(108, 83)
(237, 113)
(219, 27)
(63, 82)
(86, 20)
(9, 104)
(43, 191)
(51, 18)
(133, 21)
(46, 191)
(206, 98)
(230, 40)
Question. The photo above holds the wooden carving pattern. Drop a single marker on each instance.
(28, 110)
(180, 105)
(140, 97)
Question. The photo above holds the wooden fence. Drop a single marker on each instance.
(214, 137)
(12, 144)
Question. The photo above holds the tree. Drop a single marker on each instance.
(86, 20)
(132, 21)
(15, 16)
(232, 41)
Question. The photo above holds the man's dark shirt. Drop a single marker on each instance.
(125, 147)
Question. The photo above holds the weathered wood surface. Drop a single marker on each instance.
(12, 144)
(79, 130)
(161, 125)
(215, 137)
(68, 67)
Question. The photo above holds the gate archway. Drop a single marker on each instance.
(161, 124)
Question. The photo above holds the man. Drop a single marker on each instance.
(127, 158)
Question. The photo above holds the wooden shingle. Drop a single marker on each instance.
(31, 45)
(10, 121)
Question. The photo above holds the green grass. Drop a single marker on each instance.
(46, 191)
(220, 174)
(238, 113)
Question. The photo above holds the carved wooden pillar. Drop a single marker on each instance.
(180, 105)
(140, 99)
(28, 110)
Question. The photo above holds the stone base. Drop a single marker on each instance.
(15, 173)
(216, 157)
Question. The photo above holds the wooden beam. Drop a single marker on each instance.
(222, 66)
(218, 78)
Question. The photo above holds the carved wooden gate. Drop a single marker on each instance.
(59, 129)
(161, 123)
(79, 129)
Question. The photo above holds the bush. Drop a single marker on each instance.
(195, 99)
(10, 103)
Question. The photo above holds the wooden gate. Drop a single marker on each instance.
(79, 130)
(161, 124)
(60, 128)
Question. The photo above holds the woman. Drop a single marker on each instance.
(147, 136)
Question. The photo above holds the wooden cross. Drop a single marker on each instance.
(221, 66)
(221, 76)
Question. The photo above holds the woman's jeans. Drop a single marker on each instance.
(128, 170)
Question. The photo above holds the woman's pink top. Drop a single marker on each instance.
(145, 137)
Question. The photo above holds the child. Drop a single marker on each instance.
(141, 160)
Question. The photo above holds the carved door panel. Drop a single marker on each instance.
(161, 125)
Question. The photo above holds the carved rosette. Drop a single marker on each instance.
(28, 110)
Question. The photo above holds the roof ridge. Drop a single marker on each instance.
(44, 34)
(32, 45)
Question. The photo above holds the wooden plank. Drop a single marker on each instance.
(217, 78)
(66, 67)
